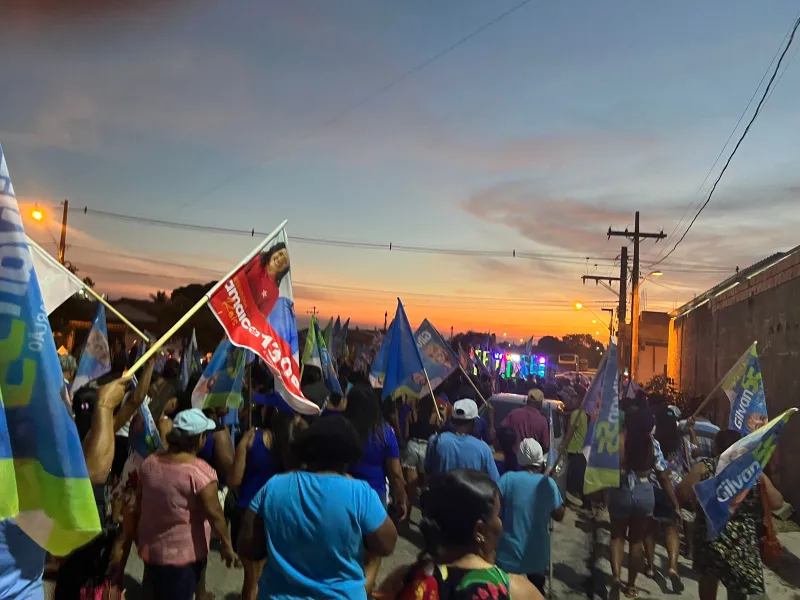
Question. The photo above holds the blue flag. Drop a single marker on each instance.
(54, 503)
(602, 468)
(744, 386)
(221, 382)
(738, 470)
(96, 357)
(398, 358)
(143, 436)
(190, 361)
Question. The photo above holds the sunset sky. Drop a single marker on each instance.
(365, 121)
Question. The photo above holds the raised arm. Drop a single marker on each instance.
(98, 446)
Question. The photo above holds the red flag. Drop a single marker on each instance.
(255, 306)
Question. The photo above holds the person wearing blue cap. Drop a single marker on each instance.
(178, 493)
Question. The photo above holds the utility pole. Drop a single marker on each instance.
(385, 322)
(635, 237)
(611, 320)
(312, 312)
(62, 246)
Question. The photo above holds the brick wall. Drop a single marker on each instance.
(706, 342)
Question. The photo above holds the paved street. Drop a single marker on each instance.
(570, 554)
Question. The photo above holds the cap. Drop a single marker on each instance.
(536, 395)
(192, 422)
(530, 453)
(676, 412)
(465, 410)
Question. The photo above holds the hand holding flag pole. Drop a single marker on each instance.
(201, 302)
(41, 252)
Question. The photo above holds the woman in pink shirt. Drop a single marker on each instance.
(177, 507)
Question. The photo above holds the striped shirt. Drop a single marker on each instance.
(706, 432)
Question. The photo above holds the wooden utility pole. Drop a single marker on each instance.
(636, 236)
(62, 245)
(623, 288)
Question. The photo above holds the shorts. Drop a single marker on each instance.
(663, 511)
(576, 470)
(167, 582)
(414, 455)
(625, 502)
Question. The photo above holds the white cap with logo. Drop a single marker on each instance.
(465, 410)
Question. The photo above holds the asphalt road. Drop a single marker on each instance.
(570, 557)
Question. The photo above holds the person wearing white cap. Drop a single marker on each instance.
(177, 495)
(458, 449)
(530, 500)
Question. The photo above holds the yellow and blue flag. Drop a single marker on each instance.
(744, 387)
(96, 357)
(398, 358)
(55, 505)
(316, 354)
(602, 468)
(221, 382)
(438, 359)
(738, 470)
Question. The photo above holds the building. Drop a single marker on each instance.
(708, 335)
(653, 345)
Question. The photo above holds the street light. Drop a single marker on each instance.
(594, 321)
(37, 214)
(578, 306)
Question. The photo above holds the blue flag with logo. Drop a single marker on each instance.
(602, 468)
(745, 387)
(399, 357)
(96, 357)
(221, 382)
(738, 470)
(54, 503)
(143, 436)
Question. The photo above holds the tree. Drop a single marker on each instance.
(159, 297)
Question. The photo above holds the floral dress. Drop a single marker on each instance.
(733, 557)
(428, 581)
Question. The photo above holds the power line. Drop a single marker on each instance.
(728, 141)
(366, 99)
(739, 143)
(568, 259)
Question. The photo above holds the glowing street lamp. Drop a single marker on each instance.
(594, 321)
(578, 306)
(37, 214)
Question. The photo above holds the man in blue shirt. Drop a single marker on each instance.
(458, 449)
(530, 500)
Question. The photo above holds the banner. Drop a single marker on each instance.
(255, 306)
(602, 469)
(54, 494)
(438, 359)
(745, 389)
(56, 282)
(221, 382)
(738, 470)
(96, 357)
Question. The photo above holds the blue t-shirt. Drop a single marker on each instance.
(21, 564)
(449, 451)
(372, 466)
(315, 524)
(528, 501)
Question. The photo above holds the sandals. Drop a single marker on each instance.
(677, 584)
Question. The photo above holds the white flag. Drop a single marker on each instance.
(55, 280)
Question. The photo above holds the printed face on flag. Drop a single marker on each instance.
(97, 346)
(256, 308)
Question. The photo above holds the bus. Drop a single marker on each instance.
(569, 362)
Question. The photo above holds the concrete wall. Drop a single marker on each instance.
(706, 342)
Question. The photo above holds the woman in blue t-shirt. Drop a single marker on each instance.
(381, 458)
(314, 526)
(260, 454)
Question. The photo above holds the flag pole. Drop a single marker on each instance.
(200, 303)
(472, 383)
(46, 255)
(433, 397)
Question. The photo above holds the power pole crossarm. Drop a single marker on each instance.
(597, 278)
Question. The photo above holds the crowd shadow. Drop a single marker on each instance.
(787, 568)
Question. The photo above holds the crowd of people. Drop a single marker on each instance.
(309, 507)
